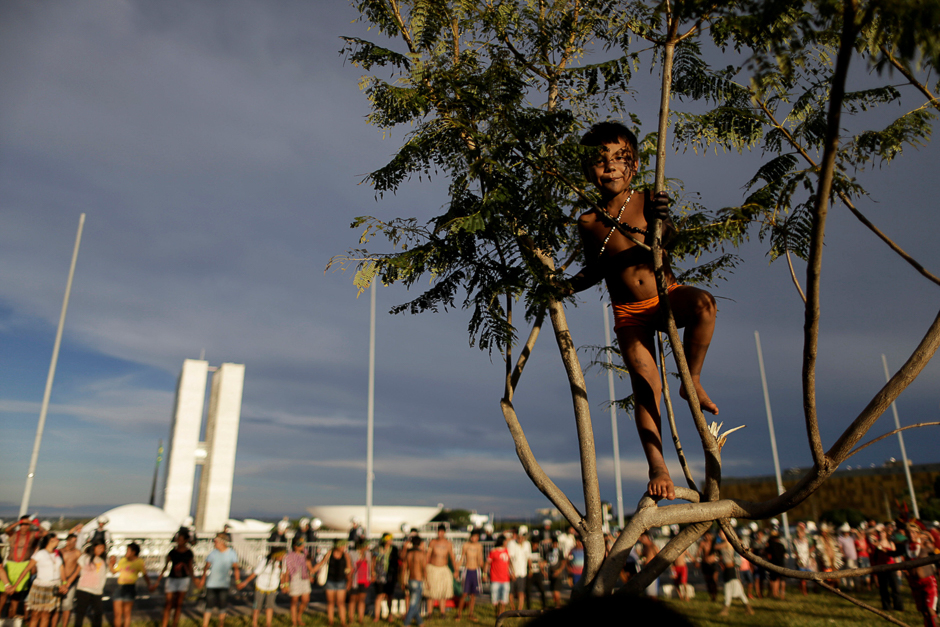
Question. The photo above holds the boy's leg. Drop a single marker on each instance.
(695, 310)
(636, 346)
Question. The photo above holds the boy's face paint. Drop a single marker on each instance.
(614, 168)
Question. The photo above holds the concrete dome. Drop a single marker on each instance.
(134, 519)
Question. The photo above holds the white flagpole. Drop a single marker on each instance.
(24, 505)
(897, 425)
(773, 435)
(613, 421)
(370, 475)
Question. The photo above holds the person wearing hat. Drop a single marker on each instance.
(268, 573)
(846, 542)
(97, 534)
(805, 550)
(309, 535)
(279, 533)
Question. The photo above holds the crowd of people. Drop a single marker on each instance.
(410, 578)
(814, 548)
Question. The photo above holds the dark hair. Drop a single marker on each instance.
(90, 551)
(70, 536)
(608, 133)
(416, 541)
(442, 527)
(501, 540)
(297, 541)
(133, 546)
(47, 539)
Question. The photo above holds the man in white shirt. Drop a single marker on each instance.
(519, 551)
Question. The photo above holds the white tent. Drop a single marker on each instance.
(136, 520)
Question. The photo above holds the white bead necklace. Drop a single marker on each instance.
(614, 228)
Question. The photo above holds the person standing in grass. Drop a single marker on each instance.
(471, 569)
(180, 561)
(338, 580)
(298, 570)
(43, 601)
(415, 573)
(500, 575)
(216, 577)
(733, 587)
(268, 572)
(129, 569)
(93, 574)
(386, 574)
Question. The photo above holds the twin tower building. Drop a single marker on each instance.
(216, 454)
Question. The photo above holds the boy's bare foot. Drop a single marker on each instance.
(704, 402)
(724, 611)
(660, 484)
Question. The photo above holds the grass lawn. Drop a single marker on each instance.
(815, 610)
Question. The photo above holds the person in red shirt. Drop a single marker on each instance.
(23, 534)
(500, 575)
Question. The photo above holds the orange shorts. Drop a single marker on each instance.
(639, 314)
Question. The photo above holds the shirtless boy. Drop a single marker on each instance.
(416, 561)
(70, 555)
(471, 565)
(440, 580)
(628, 271)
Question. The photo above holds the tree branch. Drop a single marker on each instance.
(904, 70)
(532, 468)
(890, 433)
(591, 523)
(513, 379)
(892, 389)
(817, 238)
(862, 604)
(671, 415)
(796, 281)
(662, 560)
(709, 444)
(847, 202)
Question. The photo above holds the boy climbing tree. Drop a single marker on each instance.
(627, 269)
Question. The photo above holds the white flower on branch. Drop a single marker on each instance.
(715, 428)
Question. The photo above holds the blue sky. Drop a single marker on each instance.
(216, 150)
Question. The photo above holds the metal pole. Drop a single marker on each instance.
(24, 505)
(897, 425)
(370, 475)
(773, 436)
(613, 421)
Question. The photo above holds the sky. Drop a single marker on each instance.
(217, 150)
